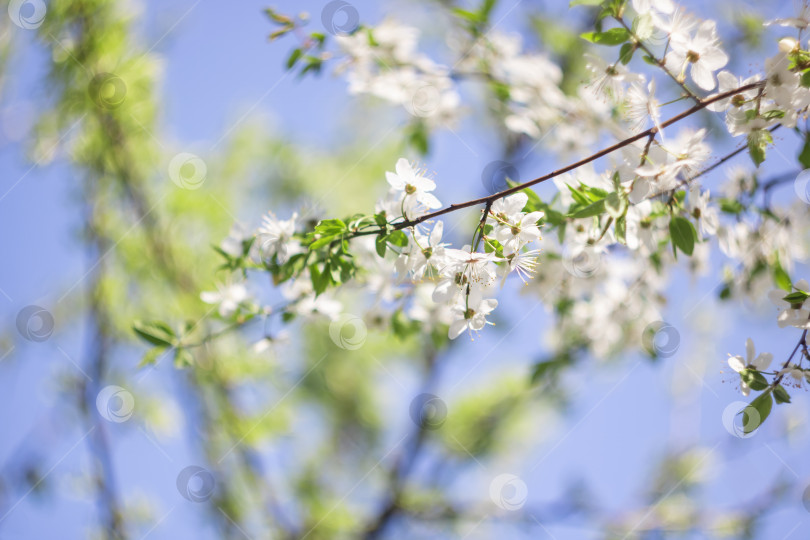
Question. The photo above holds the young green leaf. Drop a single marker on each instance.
(151, 356)
(758, 141)
(754, 379)
(781, 278)
(756, 412)
(683, 234)
(593, 209)
(614, 36)
(155, 332)
(381, 243)
(781, 395)
(797, 297)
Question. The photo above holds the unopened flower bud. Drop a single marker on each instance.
(788, 45)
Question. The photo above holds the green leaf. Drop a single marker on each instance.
(472, 16)
(615, 205)
(418, 137)
(486, 8)
(398, 238)
(683, 234)
(756, 412)
(403, 326)
(650, 60)
(626, 53)
(621, 230)
(578, 195)
(380, 219)
(593, 209)
(320, 279)
(731, 206)
(155, 332)
(611, 37)
(327, 226)
(758, 141)
(754, 379)
(183, 358)
(574, 3)
(151, 356)
(781, 395)
(294, 56)
(381, 244)
(549, 368)
(804, 155)
(781, 278)
(797, 297)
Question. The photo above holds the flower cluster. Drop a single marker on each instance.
(383, 62)
(612, 234)
(464, 278)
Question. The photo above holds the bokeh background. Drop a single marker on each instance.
(294, 443)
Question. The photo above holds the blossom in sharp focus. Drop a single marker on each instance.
(470, 314)
(522, 263)
(760, 363)
(415, 187)
(513, 227)
(228, 296)
(423, 254)
(701, 53)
